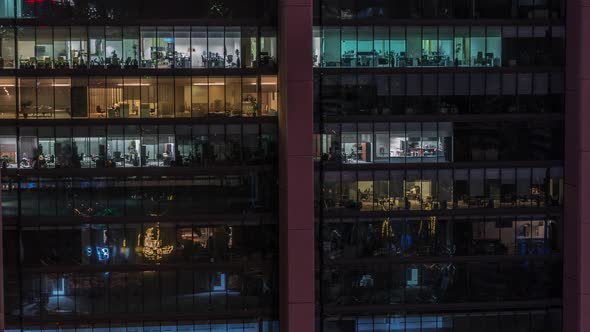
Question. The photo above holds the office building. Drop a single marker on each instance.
(139, 160)
(438, 142)
(297, 165)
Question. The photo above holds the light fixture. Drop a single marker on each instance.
(133, 84)
(153, 247)
(102, 253)
(210, 83)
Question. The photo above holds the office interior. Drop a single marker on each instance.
(118, 146)
(132, 47)
(118, 197)
(437, 46)
(138, 97)
(442, 189)
(436, 236)
(386, 143)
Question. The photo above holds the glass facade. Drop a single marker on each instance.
(117, 292)
(441, 189)
(437, 46)
(113, 10)
(438, 148)
(437, 142)
(138, 97)
(538, 320)
(238, 325)
(442, 94)
(188, 243)
(361, 143)
(138, 146)
(358, 10)
(139, 196)
(436, 237)
(139, 151)
(132, 47)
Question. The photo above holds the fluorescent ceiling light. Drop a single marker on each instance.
(210, 83)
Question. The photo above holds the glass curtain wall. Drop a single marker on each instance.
(139, 97)
(149, 47)
(434, 46)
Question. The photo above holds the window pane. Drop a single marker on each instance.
(269, 101)
(44, 47)
(398, 46)
(7, 8)
(216, 53)
(79, 47)
(249, 47)
(165, 48)
(26, 47)
(63, 97)
(200, 96)
(8, 98)
(182, 47)
(7, 35)
(462, 48)
(478, 46)
(149, 97)
(233, 96)
(216, 96)
(131, 97)
(97, 46)
(331, 47)
(349, 47)
(165, 97)
(182, 96)
(250, 100)
(232, 47)
(366, 49)
(130, 47)
(114, 47)
(268, 48)
(414, 45)
(199, 47)
(149, 47)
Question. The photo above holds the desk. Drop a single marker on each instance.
(347, 61)
(183, 63)
(27, 64)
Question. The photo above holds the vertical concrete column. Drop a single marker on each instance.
(296, 223)
(576, 278)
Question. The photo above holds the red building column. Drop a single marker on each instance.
(296, 223)
(576, 277)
